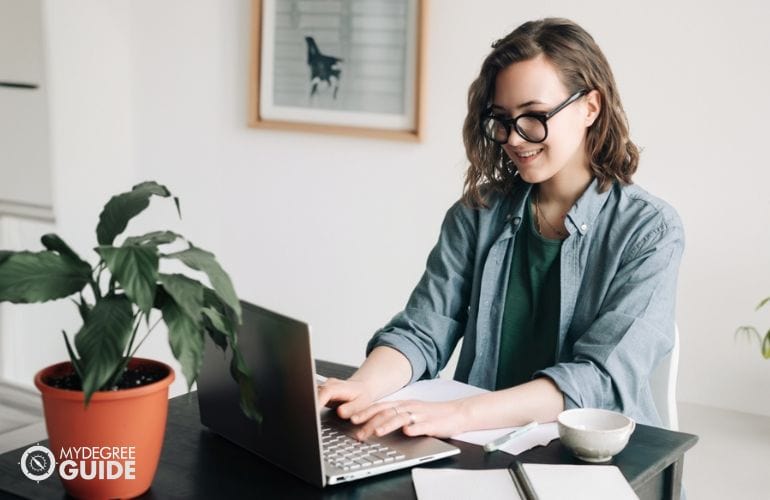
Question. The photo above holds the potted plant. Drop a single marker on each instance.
(105, 409)
(750, 331)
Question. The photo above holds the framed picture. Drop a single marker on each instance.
(338, 66)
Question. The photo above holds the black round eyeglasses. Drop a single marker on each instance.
(530, 126)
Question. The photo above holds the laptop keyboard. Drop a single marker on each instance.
(347, 453)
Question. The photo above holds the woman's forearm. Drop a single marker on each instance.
(383, 372)
(539, 400)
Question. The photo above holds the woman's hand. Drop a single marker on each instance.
(353, 395)
(384, 371)
(414, 418)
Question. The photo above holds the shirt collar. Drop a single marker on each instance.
(581, 217)
(586, 209)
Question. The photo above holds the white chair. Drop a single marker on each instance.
(663, 386)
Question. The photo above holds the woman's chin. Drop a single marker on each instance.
(532, 176)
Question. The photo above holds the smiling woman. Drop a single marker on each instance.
(558, 273)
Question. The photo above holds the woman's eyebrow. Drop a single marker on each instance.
(520, 106)
(529, 103)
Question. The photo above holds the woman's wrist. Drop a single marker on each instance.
(383, 372)
(467, 410)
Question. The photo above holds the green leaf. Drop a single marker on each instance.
(154, 238)
(123, 207)
(211, 299)
(136, 269)
(73, 357)
(178, 209)
(185, 336)
(241, 374)
(186, 292)
(220, 321)
(4, 254)
(219, 318)
(766, 346)
(215, 324)
(102, 340)
(52, 242)
(40, 276)
(747, 332)
(763, 303)
(201, 260)
(83, 308)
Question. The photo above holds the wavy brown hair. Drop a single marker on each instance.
(581, 65)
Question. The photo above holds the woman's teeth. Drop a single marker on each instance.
(528, 154)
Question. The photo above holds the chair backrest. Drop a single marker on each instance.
(663, 386)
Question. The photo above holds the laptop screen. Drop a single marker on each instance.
(276, 349)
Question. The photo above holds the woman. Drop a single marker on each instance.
(558, 273)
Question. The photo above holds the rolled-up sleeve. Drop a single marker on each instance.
(611, 361)
(428, 329)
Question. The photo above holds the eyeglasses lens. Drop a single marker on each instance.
(496, 130)
(529, 128)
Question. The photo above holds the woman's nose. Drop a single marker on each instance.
(514, 139)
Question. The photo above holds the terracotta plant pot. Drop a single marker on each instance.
(123, 429)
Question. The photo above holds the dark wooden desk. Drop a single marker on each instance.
(195, 463)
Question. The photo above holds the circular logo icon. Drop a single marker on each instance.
(37, 463)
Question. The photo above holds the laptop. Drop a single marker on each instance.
(317, 447)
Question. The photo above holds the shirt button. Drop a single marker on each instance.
(584, 228)
(516, 221)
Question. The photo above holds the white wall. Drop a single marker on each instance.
(24, 161)
(335, 230)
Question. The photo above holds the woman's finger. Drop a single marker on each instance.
(367, 413)
(332, 390)
(418, 429)
(346, 410)
(384, 422)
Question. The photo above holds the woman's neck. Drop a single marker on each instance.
(560, 192)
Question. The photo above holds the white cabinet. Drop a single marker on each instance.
(25, 174)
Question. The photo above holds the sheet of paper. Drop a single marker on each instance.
(579, 482)
(460, 484)
(447, 390)
(437, 389)
(539, 436)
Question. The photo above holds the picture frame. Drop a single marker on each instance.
(349, 67)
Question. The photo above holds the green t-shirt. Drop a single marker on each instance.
(531, 315)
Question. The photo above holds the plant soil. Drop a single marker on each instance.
(136, 376)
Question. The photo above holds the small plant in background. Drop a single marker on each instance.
(751, 332)
(116, 298)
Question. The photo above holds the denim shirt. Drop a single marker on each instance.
(619, 269)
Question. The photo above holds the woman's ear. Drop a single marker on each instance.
(593, 106)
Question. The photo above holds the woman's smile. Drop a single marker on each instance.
(526, 156)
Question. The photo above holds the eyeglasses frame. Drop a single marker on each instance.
(511, 123)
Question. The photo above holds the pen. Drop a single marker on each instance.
(497, 443)
(521, 481)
